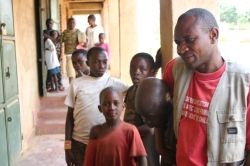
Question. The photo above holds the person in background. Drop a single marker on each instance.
(104, 45)
(79, 59)
(93, 31)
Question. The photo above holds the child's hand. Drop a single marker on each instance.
(69, 157)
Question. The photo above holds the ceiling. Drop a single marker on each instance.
(85, 6)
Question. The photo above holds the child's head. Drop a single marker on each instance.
(54, 34)
(141, 67)
(111, 103)
(153, 102)
(91, 20)
(79, 58)
(97, 60)
(101, 37)
(49, 23)
(71, 23)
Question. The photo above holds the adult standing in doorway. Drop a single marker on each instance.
(210, 94)
(93, 31)
(46, 32)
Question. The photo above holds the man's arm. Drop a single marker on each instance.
(69, 157)
(167, 155)
(144, 130)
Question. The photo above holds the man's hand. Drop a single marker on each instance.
(45, 35)
(69, 157)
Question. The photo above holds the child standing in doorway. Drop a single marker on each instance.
(79, 59)
(82, 101)
(102, 44)
(128, 150)
(141, 66)
(52, 63)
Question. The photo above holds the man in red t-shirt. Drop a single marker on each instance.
(196, 36)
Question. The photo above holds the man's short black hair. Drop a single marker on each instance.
(206, 18)
(145, 56)
(80, 51)
(91, 50)
(48, 20)
(92, 17)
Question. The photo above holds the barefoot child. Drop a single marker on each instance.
(82, 101)
(114, 142)
(155, 92)
(141, 67)
(52, 63)
(79, 59)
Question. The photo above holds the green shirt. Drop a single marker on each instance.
(70, 40)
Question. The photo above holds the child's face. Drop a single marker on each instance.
(91, 22)
(98, 63)
(140, 69)
(111, 105)
(72, 24)
(54, 34)
(79, 62)
(101, 38)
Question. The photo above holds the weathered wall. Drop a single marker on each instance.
(169, 12)
(25, 34)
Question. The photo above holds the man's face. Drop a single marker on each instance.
(72, 24)
(98, 63)
(91, 22)
(50, 24)
(193, 43)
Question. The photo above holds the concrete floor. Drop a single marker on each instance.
(44, 150)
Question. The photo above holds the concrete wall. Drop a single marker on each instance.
(25, 35)
(169, 12)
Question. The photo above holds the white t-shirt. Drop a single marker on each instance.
(93, 35)
(50, 55)
(83, 96)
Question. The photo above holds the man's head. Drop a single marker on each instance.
(97, 60)
(196, 34)
(141, 67)
(49, 24)
(91, 20)
(71, 23)
(79, 58)
(152, 102)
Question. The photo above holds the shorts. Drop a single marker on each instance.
(69, 67)
(78, 149)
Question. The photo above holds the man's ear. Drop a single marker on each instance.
(87, 62)
(99, 107)
(214, 35)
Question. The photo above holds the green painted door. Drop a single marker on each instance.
(10, 128)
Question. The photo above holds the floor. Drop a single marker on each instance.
(44, 150)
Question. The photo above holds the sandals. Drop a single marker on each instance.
(61, 88)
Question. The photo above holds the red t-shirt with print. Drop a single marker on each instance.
(192, 140)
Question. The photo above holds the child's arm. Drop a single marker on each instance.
(158, 61)
(144, 130)
(69, 157)
(108, 49)
(167, 155)
(141, 161)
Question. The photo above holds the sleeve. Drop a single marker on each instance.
(70, 97)
(137, 147)
(248, 121)
(61, 37)
(90, 153)
(51, 45)
(120, 85)
(168, 75)
(101, 29)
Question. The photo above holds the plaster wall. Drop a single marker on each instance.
(25, 35)
(169, 13)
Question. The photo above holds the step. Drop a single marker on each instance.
(50, 115)
(45, 126)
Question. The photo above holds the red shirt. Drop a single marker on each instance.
(118, 148)
(192, 137)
